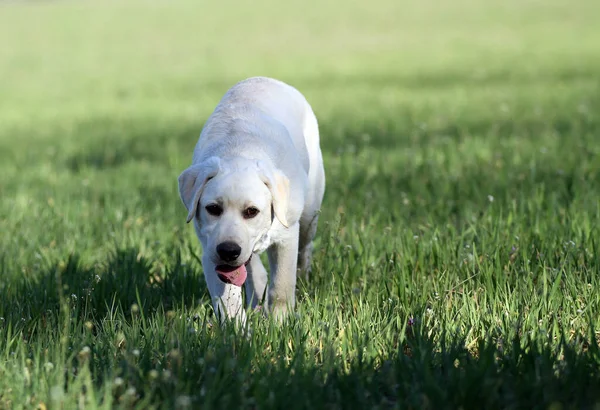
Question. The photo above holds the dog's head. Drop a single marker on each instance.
(233, 205)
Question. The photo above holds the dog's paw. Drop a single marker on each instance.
(279, 311)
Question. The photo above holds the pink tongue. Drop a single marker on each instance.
(236, 277)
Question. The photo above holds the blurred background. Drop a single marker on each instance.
(101, 103)
(63, 60)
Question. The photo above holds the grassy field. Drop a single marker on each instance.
(457, 259)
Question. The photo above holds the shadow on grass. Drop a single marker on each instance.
(124, 279)
(107, 144)
(527, 375)
(404, 130)
(220, 369)
(110, 144)
(524, 373)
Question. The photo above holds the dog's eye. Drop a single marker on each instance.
(250, 212)
(214, 209)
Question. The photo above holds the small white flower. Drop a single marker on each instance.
(183, 401)
(85, 353)
(56, 393)
(490, 198)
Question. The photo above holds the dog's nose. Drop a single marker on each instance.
(228, 251)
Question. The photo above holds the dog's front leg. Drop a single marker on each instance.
(283, 261)
(226, 298)
(256, 283)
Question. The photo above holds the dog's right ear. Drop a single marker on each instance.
(192, 182)
(279, 186)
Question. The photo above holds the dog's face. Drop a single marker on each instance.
(233, 206)
(233, 216)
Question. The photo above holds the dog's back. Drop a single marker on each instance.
(253, 111)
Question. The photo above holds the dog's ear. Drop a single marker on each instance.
(192, 182)
(279, 186)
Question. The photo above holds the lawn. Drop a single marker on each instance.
(457, 258)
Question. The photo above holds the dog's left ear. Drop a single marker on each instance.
(279, 186)
(192, 182)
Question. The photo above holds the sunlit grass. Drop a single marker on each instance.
(456, 262)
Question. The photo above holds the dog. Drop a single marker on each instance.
(256, 184)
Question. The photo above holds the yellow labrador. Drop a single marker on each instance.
(256, 183)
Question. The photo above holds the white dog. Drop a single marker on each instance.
(256, 183)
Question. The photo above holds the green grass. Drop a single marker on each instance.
(457, 257)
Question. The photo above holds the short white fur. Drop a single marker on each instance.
(260, 149)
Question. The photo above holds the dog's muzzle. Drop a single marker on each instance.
(233, 275)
